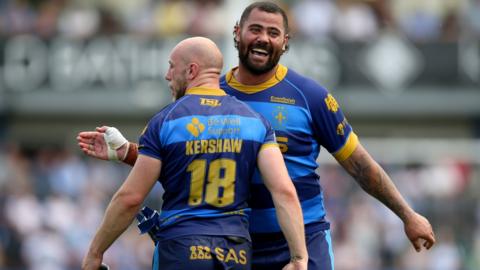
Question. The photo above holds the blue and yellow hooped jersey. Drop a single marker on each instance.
(208, 144)
(305, 117)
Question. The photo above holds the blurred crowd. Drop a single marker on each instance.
(53, 199)
(51, 202)
(345, 20)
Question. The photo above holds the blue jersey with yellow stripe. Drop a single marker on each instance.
(208, 144)
(305, 117)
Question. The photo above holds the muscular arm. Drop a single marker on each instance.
(375, 181)
(287, 205)
(122, 208)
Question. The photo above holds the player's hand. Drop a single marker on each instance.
(93, 143)
(419, 232)
(297, 265)
(91, 262)
(105, 143)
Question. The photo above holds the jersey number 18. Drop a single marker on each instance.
(220, 187)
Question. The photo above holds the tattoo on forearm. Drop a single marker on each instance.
(373, 179)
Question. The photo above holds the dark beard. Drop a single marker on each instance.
(272, 62)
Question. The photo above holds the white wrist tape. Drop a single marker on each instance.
(114, 140)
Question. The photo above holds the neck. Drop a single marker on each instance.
(244, 76)
(210, 78)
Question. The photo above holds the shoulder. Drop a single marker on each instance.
(163, 112)
(307, 86)
(241, 108)
(169, 110)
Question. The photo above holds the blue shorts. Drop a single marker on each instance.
(270, 253)
(203, 252)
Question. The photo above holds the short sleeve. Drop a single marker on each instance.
(269, 140)
(331, 127)
(149, 142)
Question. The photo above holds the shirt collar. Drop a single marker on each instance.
(279, 75)
(205, 91)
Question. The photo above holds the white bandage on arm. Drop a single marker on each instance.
(114, 140)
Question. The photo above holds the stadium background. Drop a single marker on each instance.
(407, 74)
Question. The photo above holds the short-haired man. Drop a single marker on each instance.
(205, 172)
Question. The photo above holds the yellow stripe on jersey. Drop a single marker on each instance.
(267, 145)
(347, 149)
(252, 89)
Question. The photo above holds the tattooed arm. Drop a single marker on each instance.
(375, 181)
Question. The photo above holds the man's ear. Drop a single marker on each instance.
(192, 71)
(236, 34)
(285, 43)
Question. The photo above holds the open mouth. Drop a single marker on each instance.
(259, 55)
(259, 52)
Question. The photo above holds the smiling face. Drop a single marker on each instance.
(261, 41)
